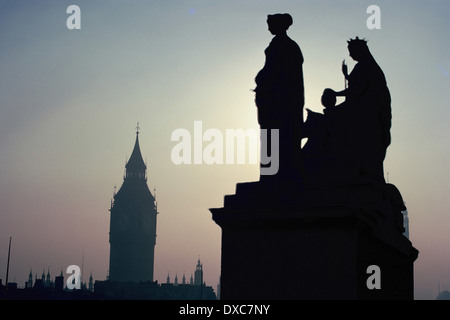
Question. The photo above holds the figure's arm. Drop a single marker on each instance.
(342, 93)
(345, 69)
(351, 91)
(356, 87)
(345, 92)
(267, 74)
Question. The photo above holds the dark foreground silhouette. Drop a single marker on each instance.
(279, 93)
(351, 139)
(327, 219)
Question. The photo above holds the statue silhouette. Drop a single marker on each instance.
(279, 93)
(368, 104)
(327, 215)
(349, 141)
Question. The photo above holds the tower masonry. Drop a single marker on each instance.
(132, 235)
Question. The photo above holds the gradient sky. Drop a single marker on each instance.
(70, 101)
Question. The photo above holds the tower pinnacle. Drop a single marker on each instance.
(135, 166)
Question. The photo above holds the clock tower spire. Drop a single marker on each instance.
(132, 235)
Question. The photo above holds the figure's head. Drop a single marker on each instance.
(328, 98)
(358, 49)
(279, 23)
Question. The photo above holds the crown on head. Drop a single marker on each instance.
(357, 41)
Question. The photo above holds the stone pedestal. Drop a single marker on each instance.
(292, 243)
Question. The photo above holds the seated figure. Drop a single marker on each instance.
(327, 153)
(369, 99)
(314, 150)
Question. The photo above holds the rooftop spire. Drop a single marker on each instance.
(135, 166)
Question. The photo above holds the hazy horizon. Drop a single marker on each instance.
(70, 101)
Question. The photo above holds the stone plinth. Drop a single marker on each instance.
(306, 245)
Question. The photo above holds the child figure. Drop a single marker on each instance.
(326, 153)
(316, 123)
(328, 100)
(315, 127)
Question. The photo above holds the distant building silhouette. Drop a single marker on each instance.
(195, 280)
(59, 282)
(132, 235)
(131, 265)
(444, 295)
(44, 289)
(91, 283)
(132, 242)
(198, 275)
(146, 290)
(29, 283)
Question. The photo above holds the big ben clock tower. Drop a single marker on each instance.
(132, 233)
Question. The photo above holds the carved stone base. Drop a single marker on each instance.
(296, 249)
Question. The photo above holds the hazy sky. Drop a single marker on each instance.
(70, 101)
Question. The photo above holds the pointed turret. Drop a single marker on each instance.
(91, 283)
(198, 275)
(135, 167)
(29, 283)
